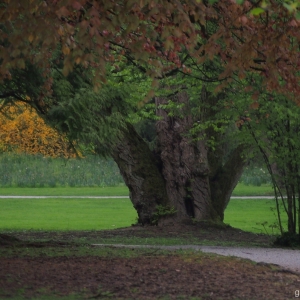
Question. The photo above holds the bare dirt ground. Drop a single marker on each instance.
(151, 275)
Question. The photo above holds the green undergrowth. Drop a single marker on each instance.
(84, 238)
(40, 249)
(78, 250)
(109, 252)
(65, 191)
(174, 242)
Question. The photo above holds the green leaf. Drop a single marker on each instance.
(288, 7)
(257, 11)
(239, 1)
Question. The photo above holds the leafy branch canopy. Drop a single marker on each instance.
(261, 37)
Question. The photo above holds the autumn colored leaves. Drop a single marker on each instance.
(22, 130)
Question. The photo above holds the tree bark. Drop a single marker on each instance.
(140, 170)
(225, 179)
(185, 165)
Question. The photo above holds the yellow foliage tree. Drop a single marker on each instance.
(24, 131)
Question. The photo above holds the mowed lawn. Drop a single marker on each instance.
(255, 215)
(66, 214)
(97, 214)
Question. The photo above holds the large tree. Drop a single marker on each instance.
(182, 171)
(183, 176)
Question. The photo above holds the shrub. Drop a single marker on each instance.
(288, 240)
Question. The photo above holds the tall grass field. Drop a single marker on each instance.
(21, 170)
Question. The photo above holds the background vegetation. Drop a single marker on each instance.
(24, 131)
(255, 175)
(24, 170)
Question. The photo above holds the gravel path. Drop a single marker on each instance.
(285, 258)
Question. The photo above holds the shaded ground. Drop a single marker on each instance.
(198, 233)
(61, 267)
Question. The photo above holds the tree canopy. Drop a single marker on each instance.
(157, 36)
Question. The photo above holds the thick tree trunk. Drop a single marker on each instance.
(184, 179)
(141, 174)
(225, 179)
(185, 165)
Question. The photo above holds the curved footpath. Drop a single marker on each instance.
(285, 258)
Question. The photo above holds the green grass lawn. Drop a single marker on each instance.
(97, 214)
(255, 215)
(66, 214)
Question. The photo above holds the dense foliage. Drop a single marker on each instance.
(155, 35)
(23, 130)
(270, 126)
